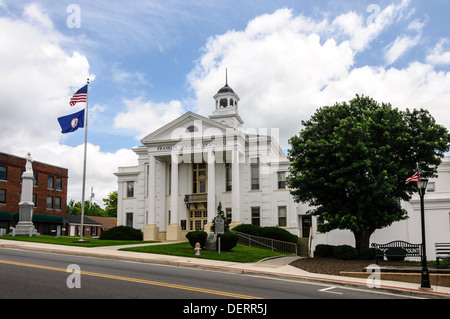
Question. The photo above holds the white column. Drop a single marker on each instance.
(235, 189)
(151, 231)
(211, 190)
(152, 190)
(174, 229)
(174, 191)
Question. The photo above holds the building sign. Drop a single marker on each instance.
(191, 146)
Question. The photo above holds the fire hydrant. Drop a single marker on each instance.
(197, 249)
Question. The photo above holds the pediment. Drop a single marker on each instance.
(186, 126)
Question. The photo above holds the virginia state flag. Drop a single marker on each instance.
(72, 122)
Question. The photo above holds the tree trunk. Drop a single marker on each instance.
(362, 240)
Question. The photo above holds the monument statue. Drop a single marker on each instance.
(25, 226)
(28, 166)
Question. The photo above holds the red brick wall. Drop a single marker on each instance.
(15, 166)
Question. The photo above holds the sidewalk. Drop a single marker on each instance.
(272, 267)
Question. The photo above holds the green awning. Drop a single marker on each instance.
(48, 219)
(5, 215)
(39, 218)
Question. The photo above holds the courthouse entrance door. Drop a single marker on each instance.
(198, 214)
(198, 219)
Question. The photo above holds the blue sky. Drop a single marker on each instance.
(151, 61)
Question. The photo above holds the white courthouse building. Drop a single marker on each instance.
(185, 168)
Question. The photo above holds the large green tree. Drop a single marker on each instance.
(74, 208)
(350, 162)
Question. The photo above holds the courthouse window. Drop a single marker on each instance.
(282, 216)
(255, 176)
(228, 214)
(255, 216)
(130, 189)
(281, 180)
(228, 175)
(129, 219)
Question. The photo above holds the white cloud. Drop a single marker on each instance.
(145, 117)
(439, 55)
(285, 72)
(404, 43)
(361, 31)
(399, 47)
(37, 79)
(34, 13)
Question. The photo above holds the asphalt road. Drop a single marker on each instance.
(30, 275)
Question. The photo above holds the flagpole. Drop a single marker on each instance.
(84, 163)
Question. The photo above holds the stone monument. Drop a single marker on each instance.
(25, 227)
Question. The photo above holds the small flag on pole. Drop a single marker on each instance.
(71, 122)
(414, 178)
(79, 96)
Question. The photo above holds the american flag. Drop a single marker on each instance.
(414, 178)
(79, 96)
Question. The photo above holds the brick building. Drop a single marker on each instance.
(49, 193)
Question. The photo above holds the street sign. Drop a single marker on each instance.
(219, 225)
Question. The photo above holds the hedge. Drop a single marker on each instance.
(197, 236)
(345, 252)
(276, 233)
(228, 241)
(122, 233)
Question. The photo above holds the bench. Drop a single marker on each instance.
(442, 251)
(398, 248)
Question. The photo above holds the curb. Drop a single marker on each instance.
(345, 281)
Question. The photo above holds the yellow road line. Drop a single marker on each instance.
(142, 281)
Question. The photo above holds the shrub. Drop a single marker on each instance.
(228, 241)
(278, 234)
(248, 229)
(122, 233)
(197, 236)
(345, 252)
(369, 253)
(323, 250)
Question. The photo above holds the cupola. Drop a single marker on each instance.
(226, 108)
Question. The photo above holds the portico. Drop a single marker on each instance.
(193, 179)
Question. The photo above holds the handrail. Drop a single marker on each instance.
(266, 243)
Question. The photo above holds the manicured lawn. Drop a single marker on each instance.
(240, 253)
(66, 240)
